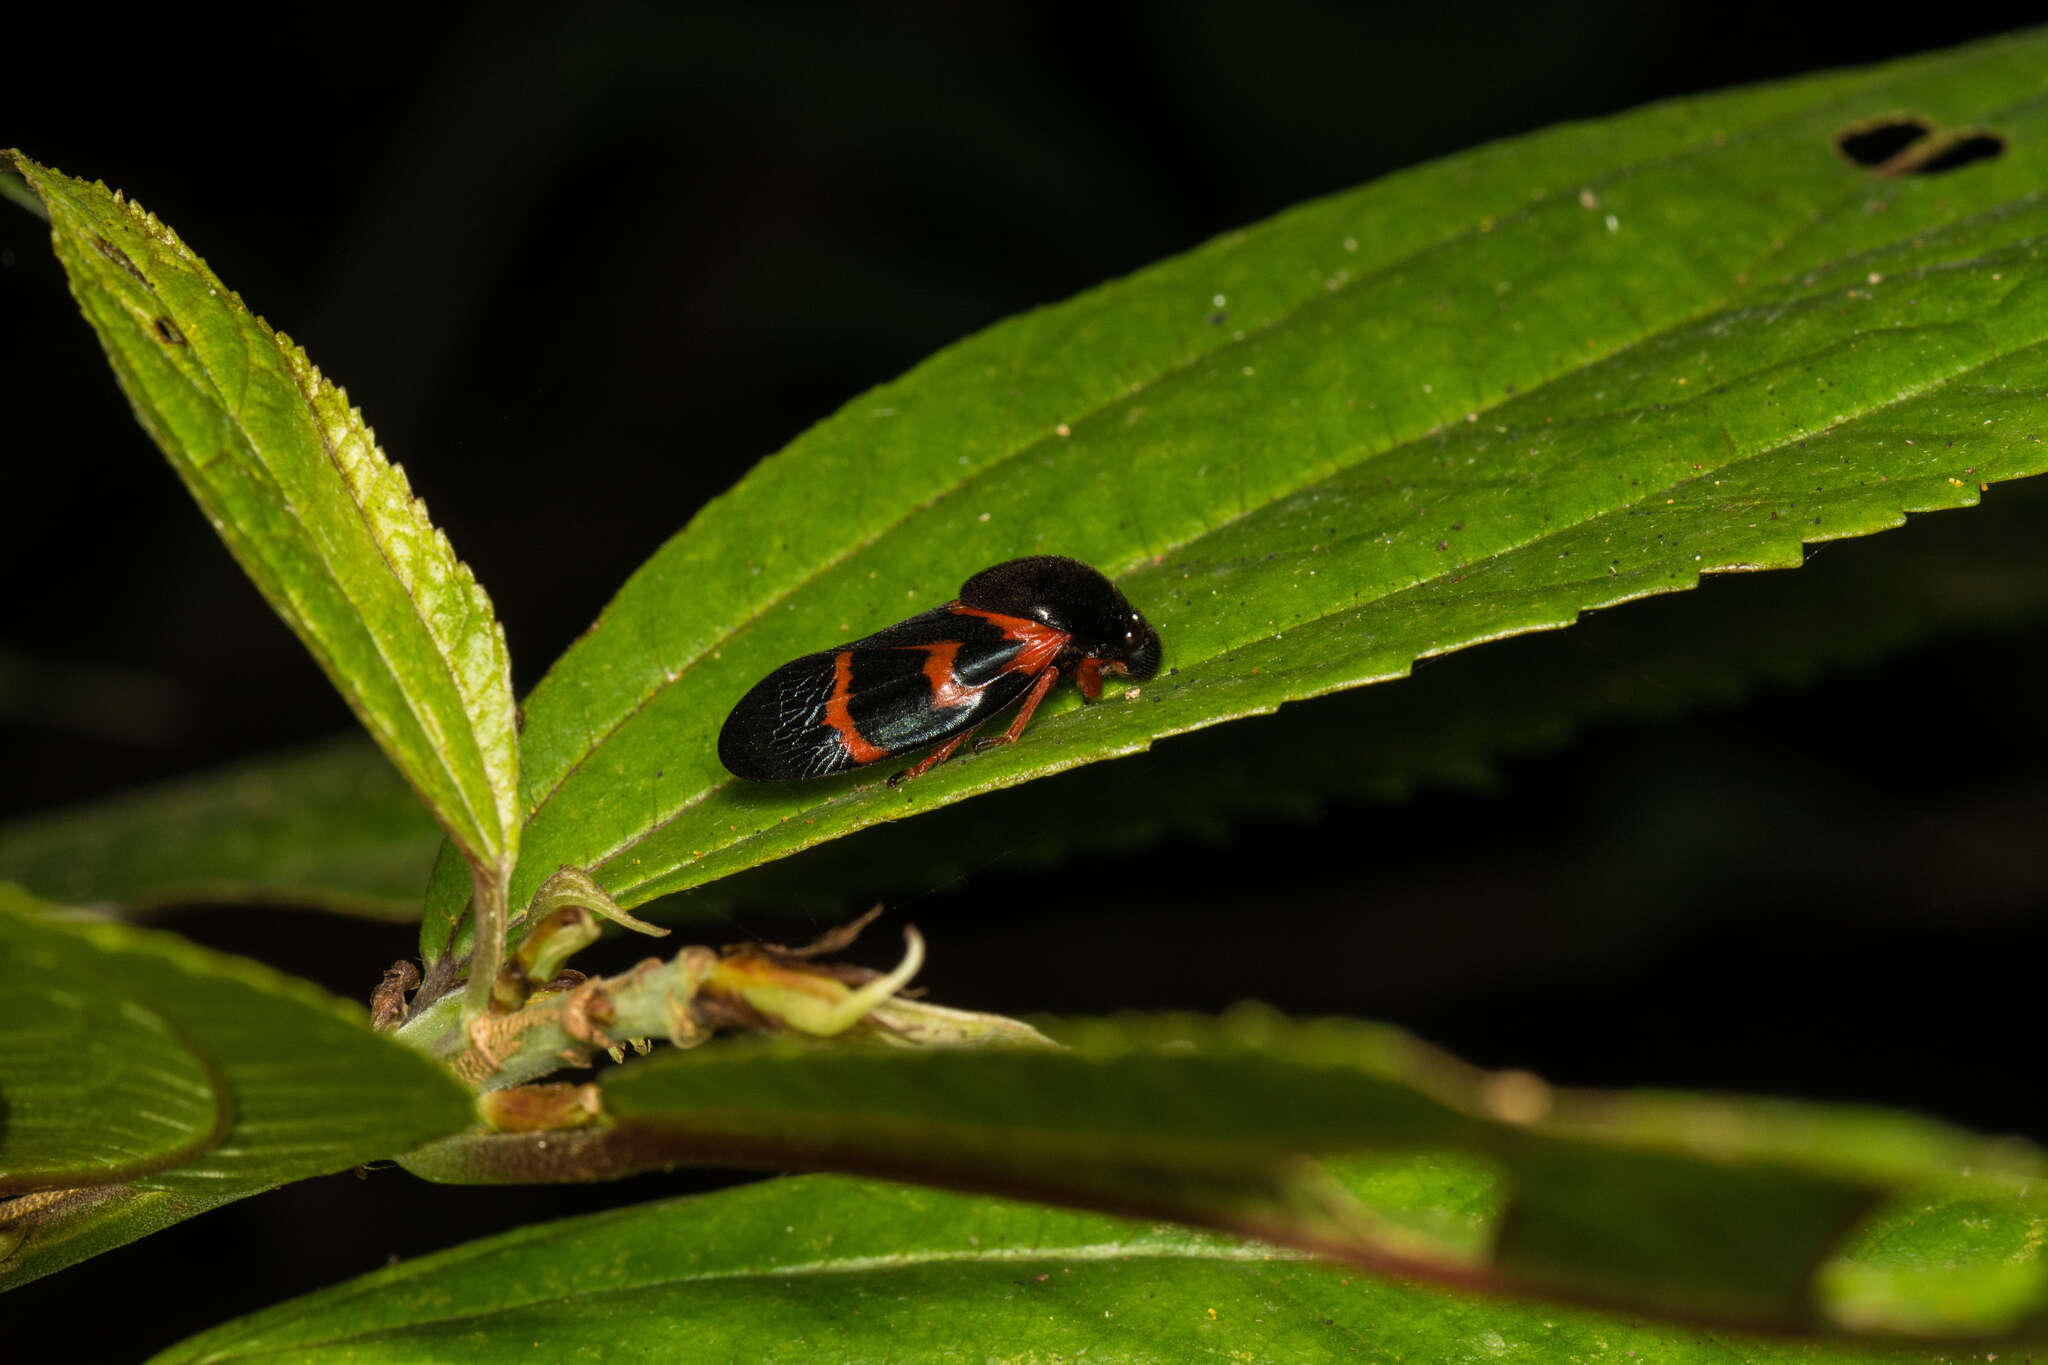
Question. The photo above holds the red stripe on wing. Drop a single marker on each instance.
(1041, 642)
(841, 719)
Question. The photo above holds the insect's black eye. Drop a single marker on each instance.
(1141, 651)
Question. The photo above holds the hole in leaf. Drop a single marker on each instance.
(1872, 144)
(166, 333)
(1960, 153)
(1910, 145)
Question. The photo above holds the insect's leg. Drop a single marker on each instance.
(1089, 678)
(1031, 700)
(931, 760)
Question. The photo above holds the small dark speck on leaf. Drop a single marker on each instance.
(1443, 545)
(165, 332)
(1218, 318)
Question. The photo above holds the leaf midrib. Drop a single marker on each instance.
(497, 854)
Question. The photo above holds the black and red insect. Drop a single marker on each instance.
(1014, 631)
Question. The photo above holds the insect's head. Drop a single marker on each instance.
(1137, 656)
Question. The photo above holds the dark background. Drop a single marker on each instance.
(582, 271)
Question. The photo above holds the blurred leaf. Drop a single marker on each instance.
(1703, 1206)
(821, 1268)
(330, 826)
(1472, 400)
(292, 479)
(97, 1088)
(1937, 1260)
(308, 1089)
(91, 699)
(16, 191)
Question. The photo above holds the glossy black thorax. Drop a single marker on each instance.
(1074, 598)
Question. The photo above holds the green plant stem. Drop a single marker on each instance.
(489, 953)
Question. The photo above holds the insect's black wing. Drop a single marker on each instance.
(777, 733)
(919, 682)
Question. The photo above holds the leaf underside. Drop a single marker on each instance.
(1713, 1208)
(821, 1268)
(214, 1078)
(98, 1088)
(1469, 401)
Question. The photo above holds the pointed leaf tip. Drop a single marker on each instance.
(324, 524)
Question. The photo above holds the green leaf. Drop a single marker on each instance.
(819, 1268)
(303, 1086)
(1708, 1207)
(329, 826)
(1938, 1261)
(1935, 580)
(332, 827)
(98, 1088)
(292, 479)
(1472, 400)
